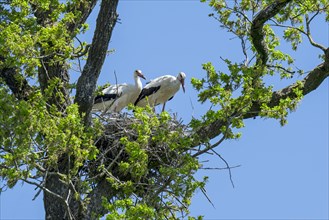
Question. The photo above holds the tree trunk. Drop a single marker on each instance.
(57, 195)
(60, 202)
(55, 207)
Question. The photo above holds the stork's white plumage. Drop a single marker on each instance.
(114, 98)
(160, 90)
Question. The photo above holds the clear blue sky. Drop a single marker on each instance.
(284, 170)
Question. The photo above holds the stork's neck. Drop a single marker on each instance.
(138, 82)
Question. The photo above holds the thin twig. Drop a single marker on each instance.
(51, 193)
(307, 33)
(210, 147)
(37, 194)
(281, 68)
(219, 168)
(228, 167)
(203, 190)
(117, 88)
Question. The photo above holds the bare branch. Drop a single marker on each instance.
(281, 68)
(309, 36)
(227, 166)
(220, 168)
(37, 194)
(244, 51)
(307, 33)
(46, 190)
(209, 147)
(203, 190)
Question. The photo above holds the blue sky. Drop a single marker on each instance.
(284, 170)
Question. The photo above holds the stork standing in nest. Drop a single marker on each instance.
(160, 90)
(116, 97)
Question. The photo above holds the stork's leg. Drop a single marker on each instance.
(153, 106)
(163, 107)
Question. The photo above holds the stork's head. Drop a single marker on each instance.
(139, 73)
(181, 77)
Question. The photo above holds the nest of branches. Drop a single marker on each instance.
(160, 153)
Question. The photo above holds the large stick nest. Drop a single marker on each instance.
(160, 154)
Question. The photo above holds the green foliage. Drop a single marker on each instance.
(23, 41)
(33, 138)
(37, 137)
(130, 210)
(233, 92)
(151, 169)
(34, 135)
(281, 111)
(294, 36)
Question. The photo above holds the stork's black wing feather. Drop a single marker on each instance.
(105, 97)
(146, 92)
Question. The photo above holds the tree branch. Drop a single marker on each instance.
(308, 33)
(208, 148)
(86, 84)
(311, 82)
(83, 7)
(60, 198)
(15, 81)
(227, 166)
(257, 33)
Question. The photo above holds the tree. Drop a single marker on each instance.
(74, 160)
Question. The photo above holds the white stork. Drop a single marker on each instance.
(115, 97)
(160, 90)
